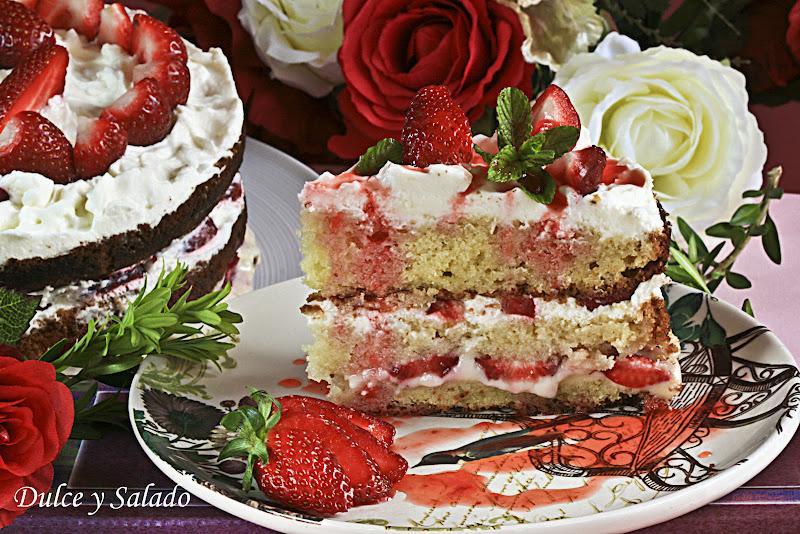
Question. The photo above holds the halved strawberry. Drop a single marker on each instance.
(436, 365)
(36, 79)
(580, 169)
(504, 369)
(116, 27)
(553, 108)
(81, 15)
(154, 41)
(302, 472)
(383, 431)
(21, 30)
(100, 143)
(172, 76)
(518, 305)
(31, 143)
(30, 4)
(637, 372)
(143, 112)
(450, 310)
(436, 130)
(369, 485)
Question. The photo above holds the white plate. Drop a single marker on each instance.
(731, 420)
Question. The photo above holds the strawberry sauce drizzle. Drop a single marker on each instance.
(290, 383)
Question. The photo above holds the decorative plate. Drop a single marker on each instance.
(613, 471)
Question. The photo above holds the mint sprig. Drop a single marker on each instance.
(378, 155)
(16, 313)
(521, 157)
(250, 426)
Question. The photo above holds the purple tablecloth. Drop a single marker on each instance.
(770, 502)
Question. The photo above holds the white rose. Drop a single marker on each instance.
(298, 39)
(681, 116)
(556, 30)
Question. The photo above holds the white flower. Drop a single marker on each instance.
(556, 30)
(298, 39)
(681, 116)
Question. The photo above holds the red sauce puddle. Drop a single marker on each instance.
(319, 388)
(299, 361)
(290, 383)
(422, 442)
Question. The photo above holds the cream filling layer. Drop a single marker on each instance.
(44, 219)
(94, 298)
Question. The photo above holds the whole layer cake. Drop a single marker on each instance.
(438, 289)
(172, 193)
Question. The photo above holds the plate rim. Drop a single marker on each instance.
(640, 515)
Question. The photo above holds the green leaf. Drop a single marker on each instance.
(712, 333)
(506, 166)
(539, 186)
(737, 281)
(738, 235)
(776, 193)
(378, 155)
(560, 139)
(235, 448)
(487, 156)
(746, 214)
(753, 193)
(722, 229)
(688, 267)
(513, 117)
(770, 241)
(16, 312)
(690, 235)
(747, 307)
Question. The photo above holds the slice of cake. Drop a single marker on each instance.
(143, 148)
(521, 274)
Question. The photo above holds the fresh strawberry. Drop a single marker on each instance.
(553, 108)
(436, 130)
(580, 169)
(30, 4)
(302, 472)
(503, 369)
(637, 372)
(116, 27)
(100, 143)
(448, 309)
(21, 30)
(392, 465)
(436, 365)
(31, 143)
(81, 15)
(153, 41)
(36, 79)
(172, 76)
(383, 431)
(518, 305)
(143, 112)
(617, 173)
(369, 485)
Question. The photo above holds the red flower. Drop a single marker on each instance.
(392, 48)
(772, 45)
(36, 415)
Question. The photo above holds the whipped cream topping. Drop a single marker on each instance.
(44, 219)
(408, 197)
(98, 297)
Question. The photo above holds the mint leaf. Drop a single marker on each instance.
(560, 139)
(533, 156)
(16, 313)
(376, 156)
(513, 117)
(487, 156)
(506, 166)
(539, 186)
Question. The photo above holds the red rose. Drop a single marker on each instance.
(36, 415)
(793, 33)
(772, 44)
(392, 48)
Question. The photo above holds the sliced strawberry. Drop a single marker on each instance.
(154, 41)
(302, 472)
(31, 143)
(637, 372)
(116, 27)
(30, 4)
(450, 310)
(21, 31)
(383, 431)
(143, 112)
(436, 365)
(100, 143)
(36, 79)
(504, 369)
(369, 485)
(616, 173)
(172, 76)
(553, 108)
(81, 15)
(518, 305)
(580, 169)
(436, 130)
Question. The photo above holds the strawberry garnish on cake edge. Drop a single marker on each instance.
(31, 143)
(144, 112)
(81, 15)
(116, 27)
(21, 32)
(551, 109)
(100, 143)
